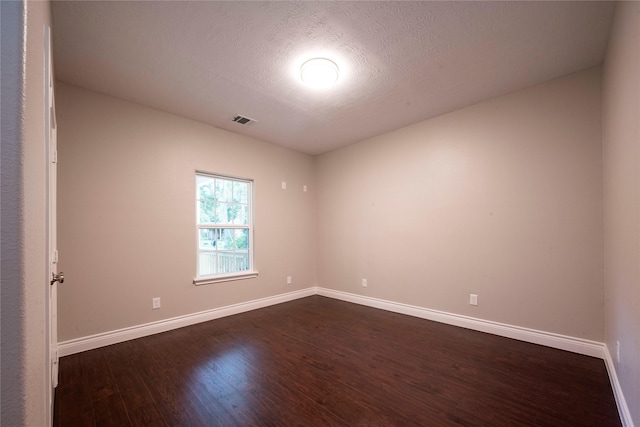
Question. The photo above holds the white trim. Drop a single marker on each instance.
(562, 342)
(78, 345)
(621, 402)
(224, 278)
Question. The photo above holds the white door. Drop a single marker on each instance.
(53, 277)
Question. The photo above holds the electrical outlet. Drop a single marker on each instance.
(304, 188)
(364, 283)
(155, 303)
(288, 280)
(473, 299)
(284, 185)
(618, 351)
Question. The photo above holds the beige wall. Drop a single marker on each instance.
(126, 213)
(502, 199)
(24, 281)
(621, 142)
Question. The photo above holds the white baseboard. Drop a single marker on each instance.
(623, 409)
(576, 345)
(78, 345)
(562, 342)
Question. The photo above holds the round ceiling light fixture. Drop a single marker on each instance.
(319, 72)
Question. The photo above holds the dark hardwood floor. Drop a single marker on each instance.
(322, 362)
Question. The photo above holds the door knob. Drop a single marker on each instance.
(57, 278)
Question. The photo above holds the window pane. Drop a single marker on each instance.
(207, 238)
(241, 239)
(241, 192)
(223, 250)
(206, 191)
(223, 190)
(201, 181)
(206, 212)
(222, 213)
(240, 214)
(231, 239)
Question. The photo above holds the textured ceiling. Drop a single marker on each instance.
(400, 62)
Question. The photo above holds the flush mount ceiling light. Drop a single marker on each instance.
(319, 72)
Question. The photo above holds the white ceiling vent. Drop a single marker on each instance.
(242, 120)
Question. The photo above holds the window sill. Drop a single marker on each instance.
(224, 278)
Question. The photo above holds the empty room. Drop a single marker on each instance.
(321, 213)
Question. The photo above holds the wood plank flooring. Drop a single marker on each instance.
(321, 362)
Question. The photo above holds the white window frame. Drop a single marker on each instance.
(225, 277)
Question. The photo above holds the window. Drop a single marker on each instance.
(224, 226)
